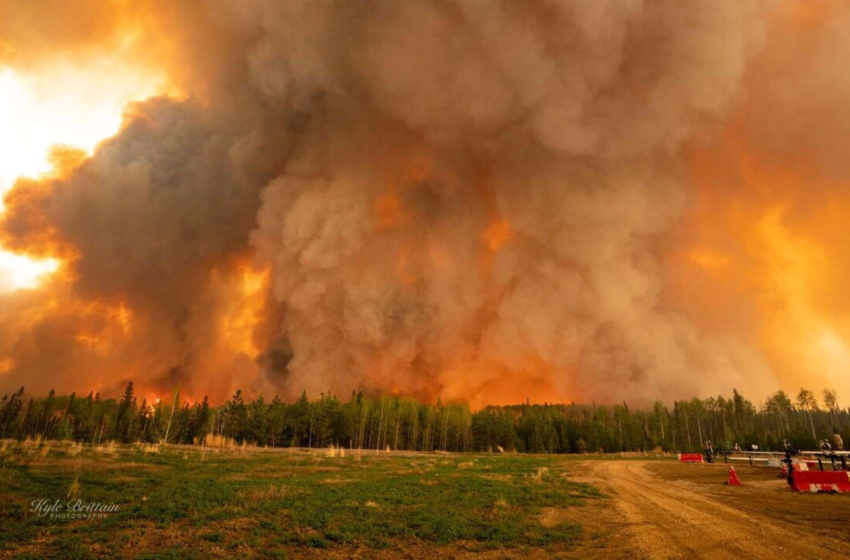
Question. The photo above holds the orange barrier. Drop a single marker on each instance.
(820, 481)
(733, 478)
(690, 458)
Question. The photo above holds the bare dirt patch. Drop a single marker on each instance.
(765, 494)
(670, 510)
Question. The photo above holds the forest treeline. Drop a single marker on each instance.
(404, 423)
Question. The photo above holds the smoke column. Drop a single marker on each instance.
(479, 200)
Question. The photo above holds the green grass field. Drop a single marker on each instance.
(196, 502)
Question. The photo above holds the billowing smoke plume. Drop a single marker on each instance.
(462, 198)
(475, 197)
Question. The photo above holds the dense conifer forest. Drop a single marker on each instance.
(401, 423)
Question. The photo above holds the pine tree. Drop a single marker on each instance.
(258, 421)
(202, 428)
(9, 414)
(125, 416)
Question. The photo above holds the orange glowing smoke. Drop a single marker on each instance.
(768, 267)
(102, 324)
(389, 212)
(497, 234)
(490, 383)
(764, 255)
(244, 312)
(48, 130)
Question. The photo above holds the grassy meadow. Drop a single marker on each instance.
(183, 501)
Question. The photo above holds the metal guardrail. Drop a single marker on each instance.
(838, 460)
(835, 460)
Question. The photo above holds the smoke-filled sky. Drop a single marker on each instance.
(484, 200)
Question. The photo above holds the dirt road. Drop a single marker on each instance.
(658, 518)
